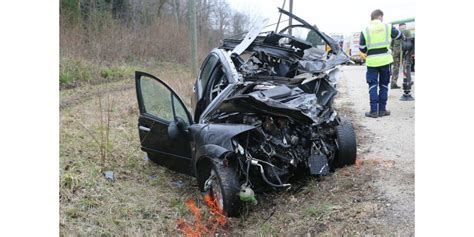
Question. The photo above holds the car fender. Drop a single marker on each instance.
(211, 151)
(213, 141)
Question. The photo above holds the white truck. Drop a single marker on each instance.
(352, 49)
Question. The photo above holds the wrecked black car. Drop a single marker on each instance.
(262, 115)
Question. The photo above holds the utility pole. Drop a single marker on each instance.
(193, 32)
(290, 21)
(279, 17)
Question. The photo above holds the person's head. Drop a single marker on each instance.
(376, 15)
(402, 26)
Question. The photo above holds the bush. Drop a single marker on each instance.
(65, 78)
(115, 72)
(74, 72)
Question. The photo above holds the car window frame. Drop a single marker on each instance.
(141, 100)
(212, 54)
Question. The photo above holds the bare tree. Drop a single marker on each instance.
(222, 16)
(160, 5)
(175, 11)
(204, 24)
(122, 30)
(239, 22)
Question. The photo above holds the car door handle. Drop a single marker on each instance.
(143, 128)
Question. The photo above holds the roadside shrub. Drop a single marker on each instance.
(115, 72)
(65, 78)
(74, 72)
(70, 182)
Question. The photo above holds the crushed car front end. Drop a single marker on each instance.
(275, 120)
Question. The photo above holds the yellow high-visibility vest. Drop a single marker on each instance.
(378, 35)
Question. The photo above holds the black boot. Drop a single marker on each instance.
(371, 114)
(384, 113)
(394, 85)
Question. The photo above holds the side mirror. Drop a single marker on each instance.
(177, 128)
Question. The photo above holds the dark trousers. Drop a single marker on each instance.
(378, 79)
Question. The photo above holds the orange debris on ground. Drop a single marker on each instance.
(198, 228)
(375, 160)
(218, 218)
(192, 230)
(359, 163)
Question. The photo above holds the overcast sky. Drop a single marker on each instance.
(341, 16)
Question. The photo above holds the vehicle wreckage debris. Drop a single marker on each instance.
(246, 194)
(263, 118)
(109, 175)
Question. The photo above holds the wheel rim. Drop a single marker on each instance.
(216, 191)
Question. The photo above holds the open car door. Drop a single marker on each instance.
(161, 112)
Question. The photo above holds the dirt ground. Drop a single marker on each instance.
(373, 197)
(390, 139)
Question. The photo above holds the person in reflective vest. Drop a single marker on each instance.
(375, 41)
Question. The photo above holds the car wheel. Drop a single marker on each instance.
(346, 142)
(223, 186)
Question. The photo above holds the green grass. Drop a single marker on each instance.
(267, 229)
(72, 72)
(135, 203)
(116, 71)
(144, 200)
(77, 72)
(320, 210)
(65, 77)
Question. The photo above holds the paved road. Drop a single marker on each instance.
(388, 139)
(394, 133)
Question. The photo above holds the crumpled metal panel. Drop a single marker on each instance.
(217, 134)
(250, 37)
(308, 105)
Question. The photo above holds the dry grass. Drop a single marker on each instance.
(139, 201)
(105, 50)
(147, 199)
(106, 42)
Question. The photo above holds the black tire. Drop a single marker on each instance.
(228, 182)
(347, 145)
